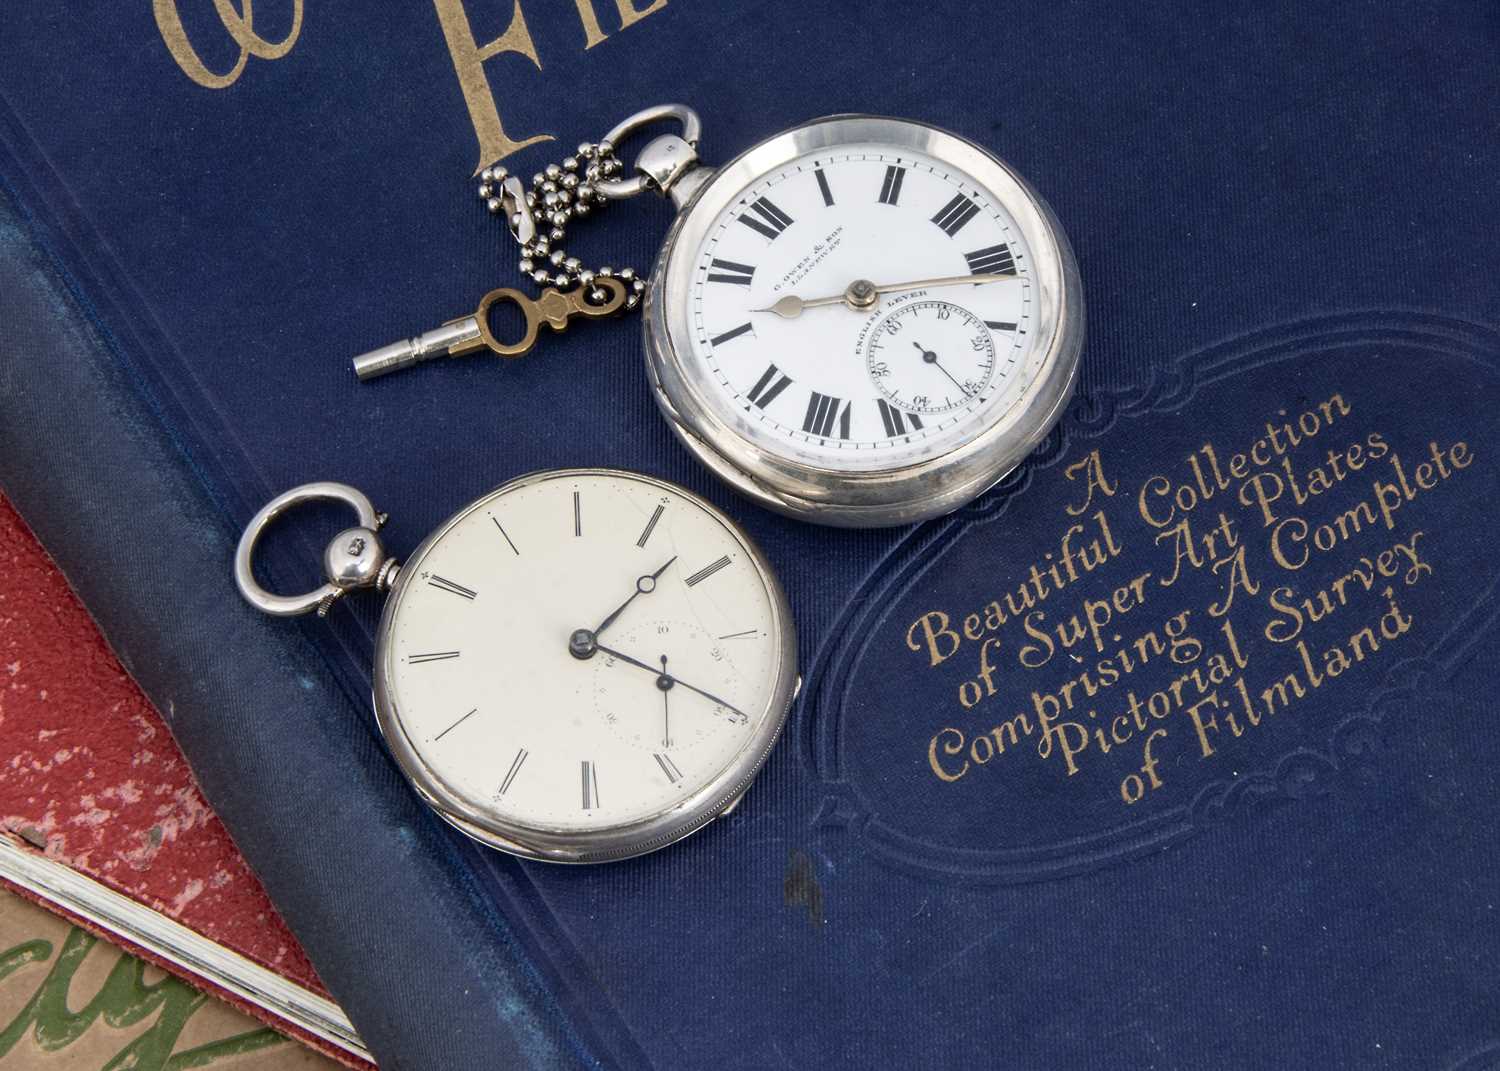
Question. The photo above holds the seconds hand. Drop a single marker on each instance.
(932, 358)
(665, 682)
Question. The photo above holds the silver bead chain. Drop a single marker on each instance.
(560, 194)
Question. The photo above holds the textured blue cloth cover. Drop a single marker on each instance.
(1284, 215)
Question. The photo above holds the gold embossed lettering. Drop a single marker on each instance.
(630, 14)
(1134, 786)
(1237, 579)
(593, 33)
(469, 57)
(1203, 723)
(239, 25)
(935, 634)
(952, 743)
(1296, 491)
(1009, 729)
(1092, 469)
(1156, 487)
(1069, 738)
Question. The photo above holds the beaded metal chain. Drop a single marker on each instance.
(539, 218)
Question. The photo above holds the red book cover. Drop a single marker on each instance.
(100, 819)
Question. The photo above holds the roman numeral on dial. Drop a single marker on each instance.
(953, 215)
(822, 411)
(515, 768)
(442, 583)
(668, 767)
(771, 383)
(823, 186)
(707, 571)
(456, 724)
(651, 525)
(890, 189)
(895, 420)
(590, 785)
(506, 534)
(727, 271)
(992, 260)
(772, 219)
(732, 333)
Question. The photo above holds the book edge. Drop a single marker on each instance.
(552, 1034)
(177, 946)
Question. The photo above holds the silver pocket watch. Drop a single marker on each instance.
(861, 321)
(582, 665)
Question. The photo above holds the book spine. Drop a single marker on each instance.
(437, 978)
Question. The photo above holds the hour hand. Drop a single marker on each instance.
(644, 585)
(861, 294)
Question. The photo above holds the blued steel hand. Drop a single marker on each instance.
(665, 683)
(644, 585)
(862, 293)
(932, 358)
(663, 675)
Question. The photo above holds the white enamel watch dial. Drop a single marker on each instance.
(583, 665)
(862, 387)
(864, 321)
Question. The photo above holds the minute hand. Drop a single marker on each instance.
(671, 677)
(791, 306)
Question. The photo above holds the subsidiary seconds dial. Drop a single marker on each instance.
(930, 357)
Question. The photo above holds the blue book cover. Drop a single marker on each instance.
(1172, 750)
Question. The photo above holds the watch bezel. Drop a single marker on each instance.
(903, 494)
(563, 845)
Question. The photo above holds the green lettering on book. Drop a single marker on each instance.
(125, 1000)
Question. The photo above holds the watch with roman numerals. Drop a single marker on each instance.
(861, 321)
(580, 666)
